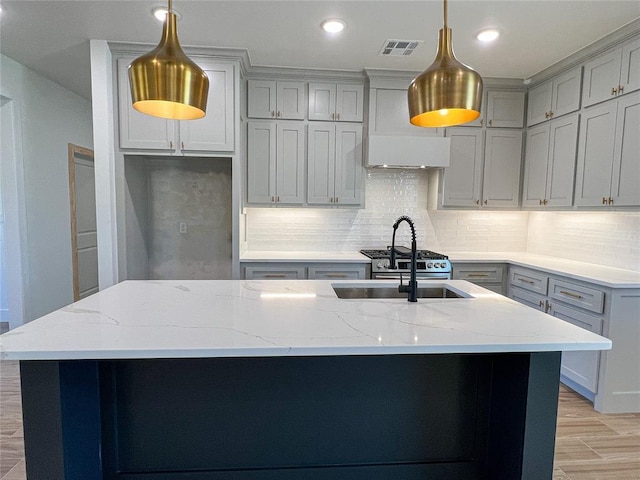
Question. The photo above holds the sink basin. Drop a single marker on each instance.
(362, 292)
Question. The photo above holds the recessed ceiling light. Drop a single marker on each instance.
(488, 35)
(333, 25)
(161, 12)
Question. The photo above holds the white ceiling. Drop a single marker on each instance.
(51, 37)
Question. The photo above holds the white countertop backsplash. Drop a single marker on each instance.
(227, 318)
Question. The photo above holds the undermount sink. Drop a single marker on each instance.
(386, 291)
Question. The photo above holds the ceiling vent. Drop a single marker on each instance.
(399, 48)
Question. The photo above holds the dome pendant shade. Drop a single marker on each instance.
(448, 92)
(165, 82)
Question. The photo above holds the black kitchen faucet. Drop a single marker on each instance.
(412, 288)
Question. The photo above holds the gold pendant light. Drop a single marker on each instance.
(165, 82)
(448, 92)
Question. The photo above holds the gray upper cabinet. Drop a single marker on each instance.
(276, 100)
(336, 102)
(502, 162)
(462, 179)
(477, 176)
(613, 74)
(608, 170)
(389, 114)
(550, 159)
(213, 133)
(505, 109)
(555, 98)
(275, 163)
(334, 164)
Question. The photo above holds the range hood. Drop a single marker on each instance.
(401, 151)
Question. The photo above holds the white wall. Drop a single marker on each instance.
(607, 238)
(389, 194)
(50, 118)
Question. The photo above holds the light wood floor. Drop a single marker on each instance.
(589, 445)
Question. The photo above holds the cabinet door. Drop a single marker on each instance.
(273, 272)
(625, 181)
(322, 101)
(581, 367)
(462, 179)
(321, 163)
(138, 130)
(261, 99)
(505, 109)
(348, 165)
(349, 102)
(630, 72)
(214, 132)
(389, 114)
(290, 100)
(601, 77)
(261, 162)
(563, 148)
(502, 161)
(535, 166)
(595, 155)
(290, 155)
(539, 103)
(566, 93)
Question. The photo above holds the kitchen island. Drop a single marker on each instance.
(266, 380)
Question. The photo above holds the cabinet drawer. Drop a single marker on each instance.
(329, 273)
(529, 280)
(588, 298)
(479, 274)
(275, 273)
(527, 298)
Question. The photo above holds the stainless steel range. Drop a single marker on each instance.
(430, 265)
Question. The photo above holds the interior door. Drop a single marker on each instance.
(84, 235)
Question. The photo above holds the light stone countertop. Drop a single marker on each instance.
(235, 318)
(588, 272)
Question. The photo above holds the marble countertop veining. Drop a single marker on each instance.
(235, 318)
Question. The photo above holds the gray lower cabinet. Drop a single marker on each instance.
(611, 379)
(487, 275)
(304, 270)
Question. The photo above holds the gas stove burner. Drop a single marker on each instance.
(403, 252)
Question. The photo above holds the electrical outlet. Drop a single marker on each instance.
(183, 227)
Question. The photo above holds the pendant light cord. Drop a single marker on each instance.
(445, 13)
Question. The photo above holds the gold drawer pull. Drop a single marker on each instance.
(336, 275)
(274, 275)
(477, 275)
(530, 282)
(570, 294)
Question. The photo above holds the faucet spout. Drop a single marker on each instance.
(412, 288)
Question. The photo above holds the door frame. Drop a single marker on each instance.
(75, 151)
(14, 206)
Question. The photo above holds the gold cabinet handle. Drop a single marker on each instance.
(614, 90)
(338, 116)
(540, 202)
(278, 114)
(604, 201)
(610, 201)
(541, 304)
(545, 201)
(546, 115)
(620, 88)
(331, 200)
(333, 116)
(336, 199)
(570, 294)
(530, 282)
(273, 113)
(171, 145)
(477, 275)
(481, 121)
(274, 275)
(273, 199)
(486, 202)
(550, 114)
(182, 145)
(490, 122)
(278, 199)
(477, 202)
(336, 275)
(548, 307)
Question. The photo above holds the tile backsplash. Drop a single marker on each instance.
(607, 238)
